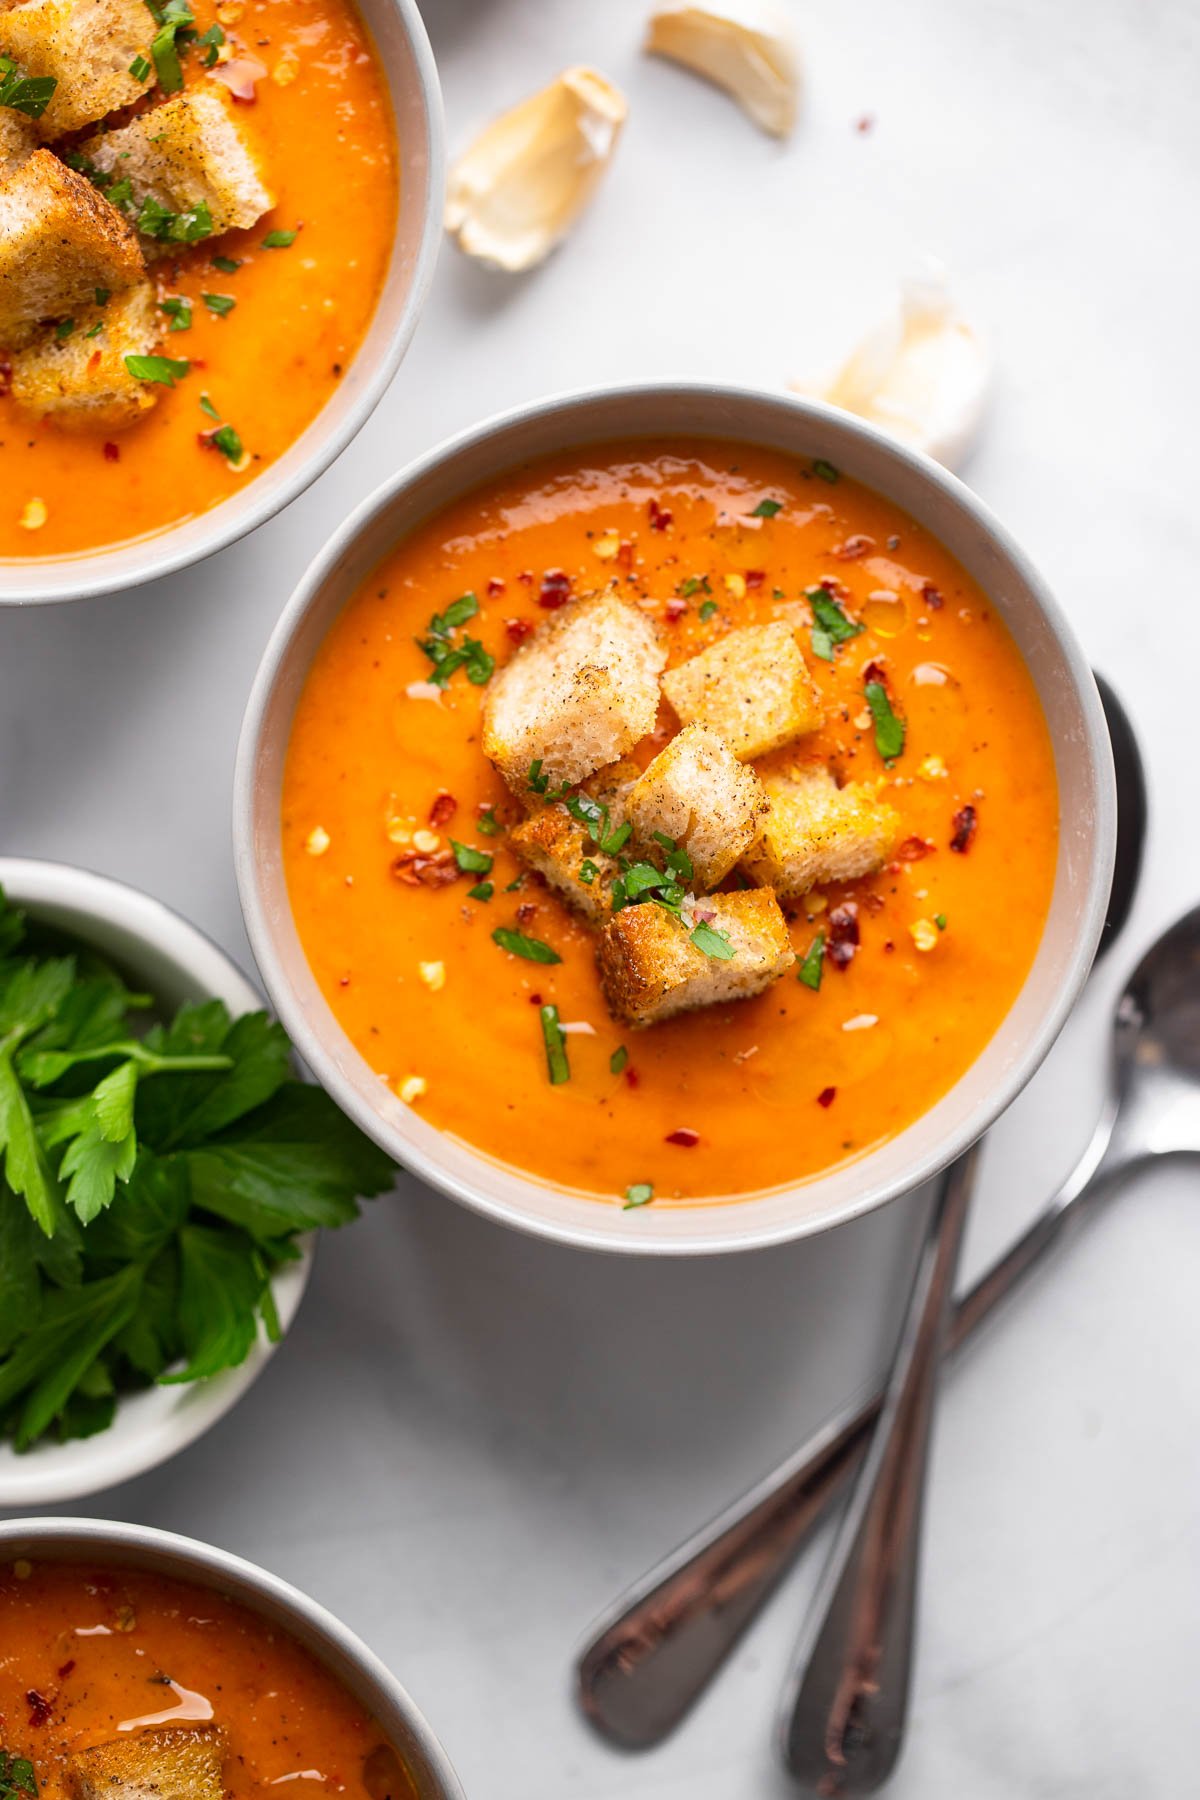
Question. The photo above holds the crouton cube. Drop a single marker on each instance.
(18, 140)
(564, 850)
(88, 48)
(697, 793)
(167, 1763)
(578, 694)
(651, 969)
(816, 832)
(81, 382)
(751, 686)
(186, 154)
(59, 242)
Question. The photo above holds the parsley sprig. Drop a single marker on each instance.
(831, 627)
(152, 1182)
(177, 33)
(28, 94)
(448, 652)
(17, 1779)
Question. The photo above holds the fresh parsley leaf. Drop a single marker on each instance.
(221, 304)
(228, 265)
(588, 871)
(27, 94)
(206, 406)
(63, 330)
(714, 943)
(811, 968)
(279, 240)
(830, 624)
(448, 654)
(488, 823)
(618, 1059)
(766, 509)
(639, 1193)
(179, 311)
(483, 890)
(139, 68)
(707, 609)
(470, 860)
(222, 1284)
(47, 1365)
(226, 440)
(517, 944)
(163, 369)
(825, 470)
(557, 1065)
(940, 921)
(889, 727)
(16, 1777)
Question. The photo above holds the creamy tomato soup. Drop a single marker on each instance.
(289, 319)
(122, 1681)
(901, 976)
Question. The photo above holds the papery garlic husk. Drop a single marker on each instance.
(519, 189)
(923, 374)
(744, 46)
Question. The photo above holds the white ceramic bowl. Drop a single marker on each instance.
(407, 61)
(1068, 694)
(97, 1541)
(170, 959)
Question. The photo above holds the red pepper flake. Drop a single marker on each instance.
(755, 577)
(526, 912)
(865, 123)
(827, 1096)
(6, 375)
(966, 822)
(417, 870)
(518, 629)
(875, 671)
(625, 555)
(112, 452)
(343, 981)
(675, 609)
(535, 999)
(913, 849)
(843, 934)
(66, 1669)
(660, 517)
(685, 1137)
(526, 577)
(932, 597)
(39, 1707)
(495, 585)
(632, 1078)
(854, 547)
(555, 590)
(443, 809)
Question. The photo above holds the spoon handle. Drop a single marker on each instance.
(650, 1658)
(846, 1702)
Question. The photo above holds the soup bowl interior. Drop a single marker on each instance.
(97, 1542)
(1064, 685)
(407, 61)
(165, 956)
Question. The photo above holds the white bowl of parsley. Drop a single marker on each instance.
(162, 1176)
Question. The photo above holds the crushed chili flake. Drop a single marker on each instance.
(865, 123)
(966, 821)
(526, 577)
(518, 629)
(555, 590)
(6, 375)
(913, 849)
(631, 1075)
(660, 516)
(443, 809)
(525, 912)
(495, 585)
(755, 577)
(932, 597)
(685, 1137)
(535, 999)
(66, 1669)
(112, 452)
(39, 1707)
(844, 937)
(875, 671)
(851, 548)
(415, 869)
(826, 1096)
(676, 608)
(625, 555)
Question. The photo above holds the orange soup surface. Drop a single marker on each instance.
(320, 126)
(110, 1656)
(727, 1100)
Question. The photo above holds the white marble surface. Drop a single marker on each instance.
(470, 1440)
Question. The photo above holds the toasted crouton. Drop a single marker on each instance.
(650, 968)
(81, 382)
(577, 695)
(698, 793)
(87, 47)
(751, 686)
(18, 140)
(816, 832)
(183, 155)
(168, 1763)
(564, 850)
(59, 242)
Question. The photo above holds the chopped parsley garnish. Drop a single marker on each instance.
(693, 584)
(939, 920)
(488, 823)
(588, 871)
(639, 1193)
(228, 265)
(164, 226)
(175, 21)
(825, 470)
(179, 311)
(713, 942)
(279, 240)
(63, 329)
(139, 68)
(210, 42)
(766, 509)
(163, 369)
(830, 624)
(556, 1047)
(589, 812)
(94, 330)
(448, 654)
(707, 609)
(889, 727)
(810, 969)
(531, 948)
(103, 296)
(483, 890)
(206, 406)
(470, 860)
(618, 1059)
(16, 1777)
(227, 441)
(517, 883)
(221, 304)
(28, 94)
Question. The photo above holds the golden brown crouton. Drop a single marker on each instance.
(87, 47)
(817, 832)
(751, 686)
(81, 382)
(698, 793)
(564, 850)
(651, 969)
(168, 1763)
(577, 695)
(18, 140)
(185, 154)
(59, 242)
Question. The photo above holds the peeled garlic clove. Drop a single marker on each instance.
(525, 180)
(744, 46)
(924, 374)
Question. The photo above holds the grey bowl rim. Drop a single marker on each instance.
(160, 559)
(1097, 748)
(213, 1564)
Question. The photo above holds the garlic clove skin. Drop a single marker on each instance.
(743, 46)
(924, 374)
(528, 176)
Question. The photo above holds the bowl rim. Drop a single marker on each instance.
(975, 1120)
(24, 587)
(214, 1567)
(45, 1477)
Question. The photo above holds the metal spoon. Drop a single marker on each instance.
(648, 1660)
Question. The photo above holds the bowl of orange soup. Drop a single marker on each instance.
(217, 228)
(139, 1662)
(673, 818)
